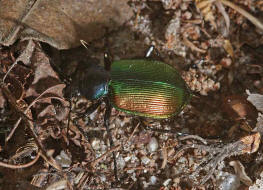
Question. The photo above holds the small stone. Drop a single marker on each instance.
(145, 160)
(182, 160)
(95, 144)
(166, 182)
(103, 178)
(127, 158)
(63, 159)
(120, 162)
(153, 180)
(145, 184)
(228, 181)
(152, 145)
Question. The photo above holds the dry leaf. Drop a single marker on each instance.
(65, 24)
(256, 100)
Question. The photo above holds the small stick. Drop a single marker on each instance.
(196, 137)
(22, 165)
(95, 162)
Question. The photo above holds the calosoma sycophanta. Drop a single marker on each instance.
(147, 88)
(140, 87)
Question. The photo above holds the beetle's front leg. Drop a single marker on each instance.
(88, 111)
(107, 123)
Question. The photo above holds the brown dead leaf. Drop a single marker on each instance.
(256, 100)
(251, 143)
(15, 86)
(44, 76)
(66, 23)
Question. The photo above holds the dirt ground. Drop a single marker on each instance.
(49, 138)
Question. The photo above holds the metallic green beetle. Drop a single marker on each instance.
(140, 87)
(147, 88)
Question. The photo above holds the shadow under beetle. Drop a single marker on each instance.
(141, 87)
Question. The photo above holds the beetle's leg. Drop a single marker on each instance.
(91, 109)
(106, 123)
(107, 61)
(87, 112)
(149, 51)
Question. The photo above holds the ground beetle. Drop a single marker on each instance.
(141, 87)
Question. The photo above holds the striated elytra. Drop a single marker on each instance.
(144, 88)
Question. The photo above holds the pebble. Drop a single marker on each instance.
(63, 159)
(95, 144)
(228, 181)
(145, 160)
(152, 145)
(153, 180)
(166, 182)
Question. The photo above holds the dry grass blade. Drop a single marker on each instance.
(27, 149)
(222, 10)
(250, 17)
(165, 157)
(206, 9)
(192, 46)
(94, 163)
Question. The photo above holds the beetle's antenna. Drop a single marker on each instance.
(84, 43)
(107, 61)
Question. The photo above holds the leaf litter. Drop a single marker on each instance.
(70, 148)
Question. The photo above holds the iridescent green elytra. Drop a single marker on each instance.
(147, 88)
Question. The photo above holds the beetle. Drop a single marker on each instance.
(141, 87)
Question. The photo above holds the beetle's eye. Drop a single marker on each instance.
(99, 90)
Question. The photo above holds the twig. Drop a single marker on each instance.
(95, 162)
(133, 132)
(222, 10)
(22, 165)
(192, 46)
(137, 168)
(165, 157)
(196, 137)
(248, 144)
(27, 51)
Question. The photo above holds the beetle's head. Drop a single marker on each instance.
(95, 83)
(90, 81)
